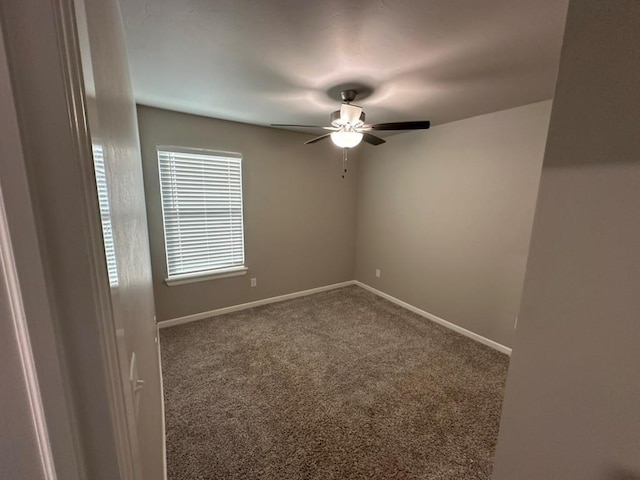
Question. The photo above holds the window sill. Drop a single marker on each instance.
(204, 276)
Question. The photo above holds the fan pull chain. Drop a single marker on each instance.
(344, 161)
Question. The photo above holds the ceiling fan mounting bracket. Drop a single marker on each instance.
(348, 95)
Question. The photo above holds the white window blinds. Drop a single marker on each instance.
(105, 214)
(202, 210)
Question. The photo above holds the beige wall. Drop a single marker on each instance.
(446, 216)
(299, 213)
(572, 406)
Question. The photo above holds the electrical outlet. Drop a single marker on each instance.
(377, 272)
(515, 324)
(254, 282)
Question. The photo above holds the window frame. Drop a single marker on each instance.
(201, 275)
(104, 202)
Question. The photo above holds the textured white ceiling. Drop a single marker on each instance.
(274, 61)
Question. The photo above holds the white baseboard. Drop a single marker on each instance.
(243, 306)
(436, 319)
(162, 407)
(265, 301)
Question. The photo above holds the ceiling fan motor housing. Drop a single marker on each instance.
(336, 122)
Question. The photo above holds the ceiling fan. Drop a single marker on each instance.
(348, 128)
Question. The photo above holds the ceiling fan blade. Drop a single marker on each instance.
(317, 139)
(349, 113)
(299, 126)
(400, 125)
(372, 139)
(333, 129)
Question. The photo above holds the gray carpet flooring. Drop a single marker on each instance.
(337, 385)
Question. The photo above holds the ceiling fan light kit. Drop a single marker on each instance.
(346, 139)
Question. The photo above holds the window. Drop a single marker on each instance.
(202, 212)
(105, 214)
